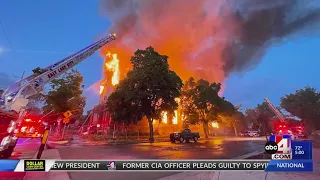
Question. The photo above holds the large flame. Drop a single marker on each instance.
(207, 39)
(175, 118)
(113, 66)
(101, 89)
(164, 117)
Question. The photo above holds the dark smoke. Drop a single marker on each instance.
(264, 22)
(208, 38)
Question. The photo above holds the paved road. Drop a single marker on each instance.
(25, 149)
(212, 149)
(218, 148)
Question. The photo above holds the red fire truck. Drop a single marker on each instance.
(31, 127)
(284, 126)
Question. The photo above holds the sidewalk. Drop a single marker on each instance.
(48, 154)
(315, 175)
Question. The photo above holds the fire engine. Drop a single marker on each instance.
(15, 120)
(283, 126)
(31, 127)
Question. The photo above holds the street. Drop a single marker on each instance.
(25, 149)
(206, 149)
(216, 148)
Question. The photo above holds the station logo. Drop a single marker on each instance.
(111, 165)
(34, 165)
(279, 147)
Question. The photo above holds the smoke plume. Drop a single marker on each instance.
(206, 38)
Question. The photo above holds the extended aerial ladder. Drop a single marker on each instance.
(281, 118)
(15, 97)
(275, 110)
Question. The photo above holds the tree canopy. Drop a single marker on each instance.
(259, 118)
(149, 89)
(201, 103)
(304, 104)
(65, 94)
(231, 116)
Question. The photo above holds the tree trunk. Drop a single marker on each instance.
(235, 130)
(151, 138)
(205, 130)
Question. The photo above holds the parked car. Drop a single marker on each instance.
(244, 133)
(250, 134)
(184, 135)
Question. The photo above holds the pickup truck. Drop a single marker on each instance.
(184, 135)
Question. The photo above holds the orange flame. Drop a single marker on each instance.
(113, 66)
(164, 117)
(101, 89)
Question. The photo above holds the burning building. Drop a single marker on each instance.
(99, 116)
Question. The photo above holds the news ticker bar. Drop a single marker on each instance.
(155, 165)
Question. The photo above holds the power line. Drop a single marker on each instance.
(5, 35)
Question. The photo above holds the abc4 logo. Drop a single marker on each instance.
(282, 147)
(271, 147)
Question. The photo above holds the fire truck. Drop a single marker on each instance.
(283, 126)
(15, 120)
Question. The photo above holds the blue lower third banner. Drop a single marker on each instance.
(8, 165)
(290, 166)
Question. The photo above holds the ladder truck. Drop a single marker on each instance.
(284, 129)
(14, 99)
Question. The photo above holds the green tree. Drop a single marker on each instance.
(123, 103)
(201, 102)
(230, 116)
(1, 92)
(259, 118)
(148, 90)
(305, 104)
(66, 95)
(189, 116)
(252, 115)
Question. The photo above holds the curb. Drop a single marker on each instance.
(208, 175)
(120, 142)
(249, 155)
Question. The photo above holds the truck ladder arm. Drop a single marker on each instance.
(16, 95)
(275, 110)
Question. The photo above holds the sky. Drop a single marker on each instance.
(40, 33)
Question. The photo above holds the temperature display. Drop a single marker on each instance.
(301, 150)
